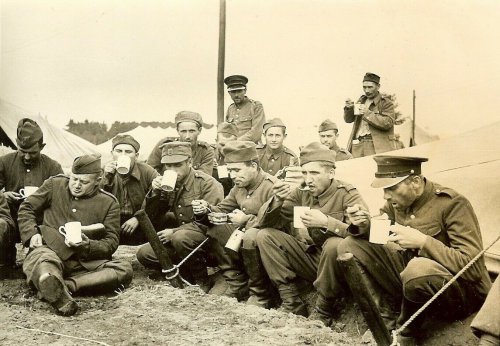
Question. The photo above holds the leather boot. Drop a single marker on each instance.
(237, 283)
(197, 267)
(104, 280)
(326, 309)
(54, 291)
(259, 285)
(291, 300)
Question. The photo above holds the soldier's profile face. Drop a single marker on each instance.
(275, 137)
(401, 195)
(31, 155)
(83, 184)
(188, 131)
(124, 150)
(181, 168)
(242, 174)
(328, 138)
(317, 177)
(370, 89)
(238, 95)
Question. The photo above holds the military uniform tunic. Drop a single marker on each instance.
(249, 118)
(202, 160)
(272, 162)
(341, 153)
(7, 232)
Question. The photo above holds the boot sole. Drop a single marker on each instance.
(54, 292)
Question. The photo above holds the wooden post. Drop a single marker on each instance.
(158, 248)
(413, 122)
(363, 297)
(221, 62)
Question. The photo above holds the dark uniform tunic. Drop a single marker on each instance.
(249, 118)
(227, 183)
(272, 162)
(130, 191)
(288, 256)
(58, 206)
(202, 160)
(414, 276)
(7, 231)
(15, 175)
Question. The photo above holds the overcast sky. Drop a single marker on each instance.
(146, 60)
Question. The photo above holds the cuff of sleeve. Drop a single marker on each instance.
(337, 227)
(425, 250)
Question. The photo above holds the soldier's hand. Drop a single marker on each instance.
(166, 235)
(156, 184)
(130, 225)
(362, 108)
(84, 243)
(358, 216)
(281, 189)
(199, 206)
(407, 237)
(349, 103)
(238, 217)
(314, 218)
(110, 167)
(36, 241)
(12, 196)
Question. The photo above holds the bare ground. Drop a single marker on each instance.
(151, 312)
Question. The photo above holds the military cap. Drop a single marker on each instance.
(173, 152)
(229, 128)
(371, 77)
(188, 116)
(316, 151)
(239, 151)
(28, 133)
(87, 164)
(275, 122)
(392, 170)
(236, 82)
(125, 139)
(327, 125)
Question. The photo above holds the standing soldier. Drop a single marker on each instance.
(189, 126)
(57, 266)
(226, 132)
(243, 271)
(129, 187)
(328, 134)
(247, 114)
(309, 252)
(274, 156)
(172, 213)
(373, 117)
(25, 167)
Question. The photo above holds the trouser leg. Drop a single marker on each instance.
(7, 244)
(486, 324)
(137, 237)
(262, 292)
(286, 260)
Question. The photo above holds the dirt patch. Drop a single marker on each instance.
(151, 312)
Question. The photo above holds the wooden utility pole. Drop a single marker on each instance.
(222, 58)
(412, 139)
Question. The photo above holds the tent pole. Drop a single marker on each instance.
(221, 61)
(412, 140)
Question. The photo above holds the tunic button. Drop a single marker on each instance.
(270, 170)
(28, 170)
(244, 209)
(272, 160)
(180, 214)
(336, 230)
(438, 191)
(183, 222)
(73, 210)
(179, 206)
(412, 216)
(248, 196)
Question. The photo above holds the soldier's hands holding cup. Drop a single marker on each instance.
(407, 237)
(110, 167)
(349, 103)
(281, 189)
(199, 206)
(358, 216)
(238, 217)
(156, 184)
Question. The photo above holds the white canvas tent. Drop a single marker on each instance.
(62, 146)
(468, 163)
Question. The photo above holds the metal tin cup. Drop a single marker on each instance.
(28, 190)
(222, 172)
(168, 180)
(123, 164)
(218, 218)
(234, 241)
(297, 213)
(379, 230)
(72, 231)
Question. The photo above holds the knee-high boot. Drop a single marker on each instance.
(99, 281)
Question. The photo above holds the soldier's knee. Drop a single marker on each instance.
(330, 247)
(144, 254)
(349, 244)
(123, 270)
(179, 238)
(250, 238)
(419, 277)
(263, 236)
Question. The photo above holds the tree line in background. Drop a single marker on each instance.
(97, 133)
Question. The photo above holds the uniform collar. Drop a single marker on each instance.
(258, 180)
(244, 102)
(335, 147)
(270, 153)
(425, 197)
(328, 193)
(188, 181)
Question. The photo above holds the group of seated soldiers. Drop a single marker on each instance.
(434, 230)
